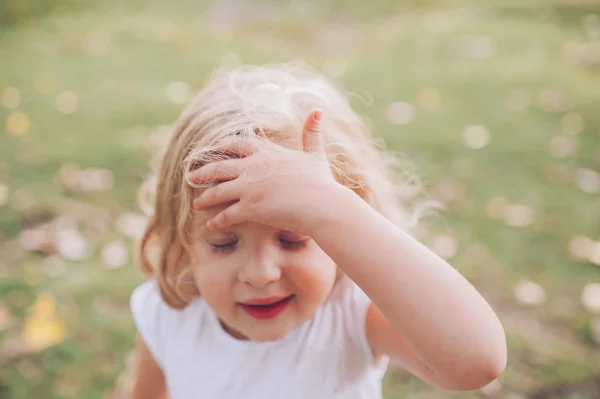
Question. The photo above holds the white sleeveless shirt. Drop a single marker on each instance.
(326, 357)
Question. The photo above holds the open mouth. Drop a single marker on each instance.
(266, 309)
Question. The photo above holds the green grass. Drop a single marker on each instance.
(391, 51)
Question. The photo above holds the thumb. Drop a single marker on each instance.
(312, 141)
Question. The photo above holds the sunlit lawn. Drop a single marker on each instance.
(497, 106)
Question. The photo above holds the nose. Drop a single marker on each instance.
(260, 271)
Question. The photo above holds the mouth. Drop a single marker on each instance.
(267, 308)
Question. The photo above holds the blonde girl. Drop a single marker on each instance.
(281, 257)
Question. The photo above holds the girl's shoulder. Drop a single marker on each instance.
(146, 298)
(147, 306)
(148, 290)
(158, 323)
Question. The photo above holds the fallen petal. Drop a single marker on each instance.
(132, 225)
(115, 254)
(401, 113)
(72, 245)
(516, 215)
(530, 293)
(590, 297)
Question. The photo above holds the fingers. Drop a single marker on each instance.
(228, 163)
(217, 172)
(219, 194)
(242, 147)
(228, 217)
(312, 140)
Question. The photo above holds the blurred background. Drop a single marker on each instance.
(497, 102)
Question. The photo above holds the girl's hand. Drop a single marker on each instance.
(271, 185)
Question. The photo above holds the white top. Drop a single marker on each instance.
(326, 357)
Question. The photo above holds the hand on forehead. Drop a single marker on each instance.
(256, 176)
(237, 145)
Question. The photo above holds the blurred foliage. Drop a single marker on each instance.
(15, 11)
(496, 103)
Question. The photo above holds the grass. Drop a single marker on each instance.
(517, 70)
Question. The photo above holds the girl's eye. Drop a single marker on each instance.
(222, 248)
(291, 245)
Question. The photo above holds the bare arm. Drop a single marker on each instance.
(432, 319)
(149, 381)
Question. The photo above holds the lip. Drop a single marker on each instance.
(266, 308)
(264, 301)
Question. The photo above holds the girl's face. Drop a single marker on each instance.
(261, 282)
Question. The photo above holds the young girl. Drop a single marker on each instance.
(280, 259)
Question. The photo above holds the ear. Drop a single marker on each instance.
(312, 141)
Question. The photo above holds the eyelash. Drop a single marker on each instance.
(223, 248)
(230, 246)
(291, 245)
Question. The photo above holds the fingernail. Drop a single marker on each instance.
(317, 115)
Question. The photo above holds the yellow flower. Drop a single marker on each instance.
(42, 328)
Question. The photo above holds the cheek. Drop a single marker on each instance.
(213, 280)
(315, 276)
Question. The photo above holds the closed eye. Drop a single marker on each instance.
(292, 245)
(223, 248)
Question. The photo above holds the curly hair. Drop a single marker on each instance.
(260, 101)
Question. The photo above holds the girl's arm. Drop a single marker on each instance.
(149, 381)
(432, 319)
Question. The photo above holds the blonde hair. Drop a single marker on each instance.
(254, 101)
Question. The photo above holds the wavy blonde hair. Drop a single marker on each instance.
(255, 101)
